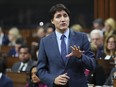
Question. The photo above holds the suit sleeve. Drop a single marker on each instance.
(9, 83)
(88, 60)
(42, 66)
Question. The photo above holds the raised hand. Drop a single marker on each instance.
(75, 52)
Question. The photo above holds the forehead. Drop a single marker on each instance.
(24, 50)
(111, 39)
(60, 12)
(95, 35)
(34, 69)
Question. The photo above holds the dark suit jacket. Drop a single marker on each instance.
(12, 52)
(5, 40)
(100, 53)
(16, 66)
(51, 65)
(110, 77)
(6, 82)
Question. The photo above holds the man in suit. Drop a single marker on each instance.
(14, 52)
(4, 80)
(64, 54)
(3, 38)
(25, 63)
(96, 37)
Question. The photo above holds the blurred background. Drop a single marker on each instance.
(28, 13)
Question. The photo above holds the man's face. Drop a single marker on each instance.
(24, 55)
(96, 40)
(97, 26)
(41, 33)
(49, 31)
(61, 21)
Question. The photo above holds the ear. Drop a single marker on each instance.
(52, 21)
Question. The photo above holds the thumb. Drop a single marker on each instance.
(69, 55)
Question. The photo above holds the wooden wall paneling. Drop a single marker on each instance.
(112, 8)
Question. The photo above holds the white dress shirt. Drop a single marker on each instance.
(25, 66)
(58, 35)
(0, 75)
(1, 38)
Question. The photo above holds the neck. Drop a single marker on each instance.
(112, 52)
(61, 31)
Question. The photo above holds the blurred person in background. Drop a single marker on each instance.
(13, 35)
(98, 76)
(34, 80)
(25, 63)
(110, 47)
(14, 52)
(4, 80)
(99, 24)
(40, 33)
(49, 28)
(77, 28)
(96, 37)
(3, 38)
(110, 27)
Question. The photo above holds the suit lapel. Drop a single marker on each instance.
(72, 42)
(55, 47)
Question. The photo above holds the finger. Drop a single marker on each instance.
(81, 51)
(63, 79)
(69, 55)
(62, 83)
(65, 76)
(72, 47)
(75, 47)
(78, 48)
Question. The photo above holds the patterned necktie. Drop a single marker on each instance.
(63, 48)
(22, 68)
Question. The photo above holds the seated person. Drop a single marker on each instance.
(49, 28)
(25, 63)
(110, 47)
(14, 52)
(4, 80)
(34, 81)
(3, 38)
(96, 37)
(109, 80)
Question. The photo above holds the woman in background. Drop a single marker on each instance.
(13, 35)
(110, 47)
(110, 27)
(34, 80)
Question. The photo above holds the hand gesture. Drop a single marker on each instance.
(61, 79)
(75, 52)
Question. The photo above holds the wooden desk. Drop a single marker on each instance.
(19, 79)
(106, 64)
(114, 82)
(10, 61)
(5, 49)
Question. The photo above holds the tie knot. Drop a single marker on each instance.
(62, 37)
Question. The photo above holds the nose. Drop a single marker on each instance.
(62, 18)
(33, 76)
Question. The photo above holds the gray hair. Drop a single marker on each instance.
(96, 31)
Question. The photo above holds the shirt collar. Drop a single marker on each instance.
(66, 33)
(23, 63)
(0, 75)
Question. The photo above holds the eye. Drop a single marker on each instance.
(65, 15)
(58, 16)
